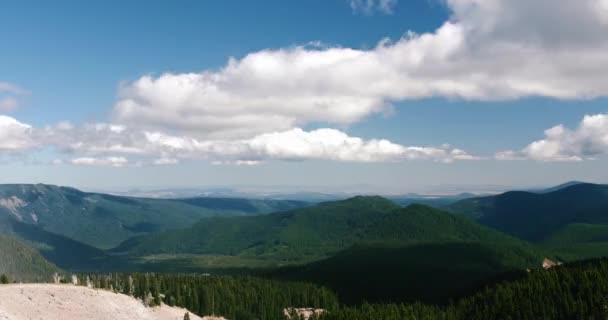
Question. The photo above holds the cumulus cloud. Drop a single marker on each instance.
(487, 50)
(14, 135)
(371, 6)
(103, 144)
(298, 144)
(588, 141)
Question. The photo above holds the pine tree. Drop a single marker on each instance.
(4, 279)
(187, 316)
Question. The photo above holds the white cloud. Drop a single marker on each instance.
(103, 144)
(587, 141)
(297, 144)
(108, 161)
(488, 50)
(14, 135)
(252, 109)
(331, 144)
(371, 6)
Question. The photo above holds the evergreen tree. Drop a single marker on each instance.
(4, 279)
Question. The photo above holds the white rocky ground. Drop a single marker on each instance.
(68, 302)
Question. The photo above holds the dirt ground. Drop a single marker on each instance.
(68, 302)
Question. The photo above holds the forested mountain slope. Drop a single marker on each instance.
(91, 218)
(537, 216)
(311, 233)
(428, 272)
(21, 263)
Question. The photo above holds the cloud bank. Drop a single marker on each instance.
(102, 144)
(255, 107)
(488, 50)
(588, 141)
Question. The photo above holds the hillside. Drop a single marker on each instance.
(311, 233)
(536, 216)
(60, 250)
(427, 272)
(572, 291)
(21, 263)
(62, 302)
(90, 217)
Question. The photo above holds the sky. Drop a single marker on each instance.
(382, 96)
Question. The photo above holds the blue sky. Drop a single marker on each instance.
(78, 64)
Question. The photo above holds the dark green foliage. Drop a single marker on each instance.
(307, 234)
(60, 250)
(576, 291)
(238, 298)
(431, 272)
(21, 263)
(536, 216)
(291, 235)
(3, 279)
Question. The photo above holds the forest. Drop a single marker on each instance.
(573, 291)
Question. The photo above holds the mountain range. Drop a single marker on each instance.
(536, 216)
(83, 231)
(103, 221)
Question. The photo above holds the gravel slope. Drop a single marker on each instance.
(68, 302)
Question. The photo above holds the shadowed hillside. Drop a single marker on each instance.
(534, 216)
(21, 263)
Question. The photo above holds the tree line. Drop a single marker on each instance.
(574, 291)
(236, 298)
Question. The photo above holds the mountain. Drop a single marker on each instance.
(21, 263)
(104, 221)
(243, 206)
(427, 272)
(311, 233)
(560, 187)
(542, 216)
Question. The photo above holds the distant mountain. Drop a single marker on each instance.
(427, 272)
(21, 263)
(103, 221)
(243, 206)
(275, 193)
(310, 233)
(558, 187)
(541, 216)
